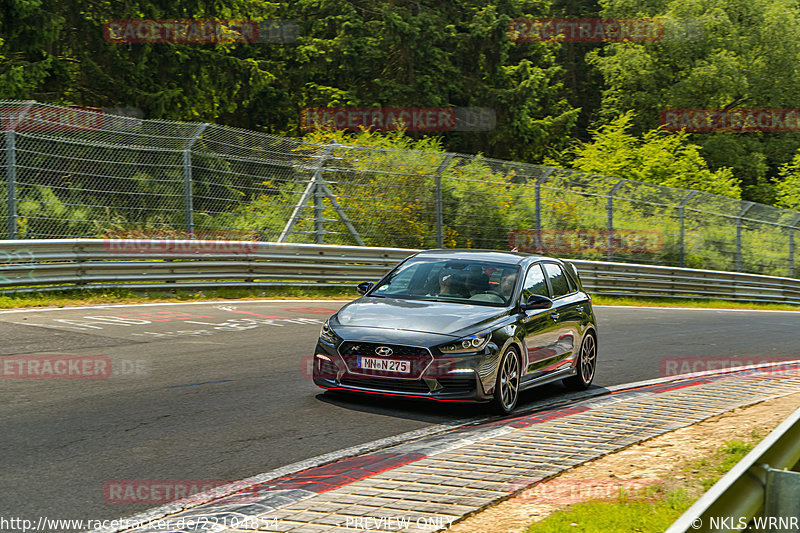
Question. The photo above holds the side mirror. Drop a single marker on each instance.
(536, 301)
(364, 287)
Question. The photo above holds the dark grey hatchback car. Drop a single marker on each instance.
(462, 326)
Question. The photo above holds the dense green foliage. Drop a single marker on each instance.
(733, 54)
(655, 157)
(348, 54)
(730, 53)
(788, 184)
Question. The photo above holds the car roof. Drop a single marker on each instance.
(481, 255)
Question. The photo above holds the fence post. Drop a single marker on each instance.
(319, 208)
(792, 227)
(11, 168)
(538, 195)
(315, 187)
(742, 213)
(188, 198)
(610, 216)
(439, 200)
(188, 204)
(681, 218)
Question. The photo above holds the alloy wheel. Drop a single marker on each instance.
(588, 359)
(509, 381)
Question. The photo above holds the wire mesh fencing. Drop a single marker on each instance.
(73, 172)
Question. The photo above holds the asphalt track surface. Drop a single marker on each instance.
(220, 392)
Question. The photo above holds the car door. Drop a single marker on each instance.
(538, 327)
(566, 314)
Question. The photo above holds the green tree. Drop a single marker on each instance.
(654, 157)
(27, 58)
(378, 53)
(55, 52)
(788, 184)
(421, 54)
(722, 54)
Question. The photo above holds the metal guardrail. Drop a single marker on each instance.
(56, 264)
(758, 488)
(627, 279)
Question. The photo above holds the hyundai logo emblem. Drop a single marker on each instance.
(384, 351)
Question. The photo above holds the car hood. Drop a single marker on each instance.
(443, 318)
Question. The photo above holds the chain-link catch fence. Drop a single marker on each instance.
(73, 172)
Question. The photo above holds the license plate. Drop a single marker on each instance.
(385, 365)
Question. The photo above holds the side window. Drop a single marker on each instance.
(558, 280)
(534, 283)
(573, 287)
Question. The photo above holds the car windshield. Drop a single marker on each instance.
(451, 280)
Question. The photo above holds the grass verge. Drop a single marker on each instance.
(599, 299)
(659, 507)
(118, 296)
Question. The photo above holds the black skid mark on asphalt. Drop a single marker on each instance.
(146, 423)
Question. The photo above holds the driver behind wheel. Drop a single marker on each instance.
(453, 284)
(477, 281)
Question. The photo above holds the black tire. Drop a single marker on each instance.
(506, 386)
(586, 365)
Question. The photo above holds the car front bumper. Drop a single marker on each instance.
(444, 378)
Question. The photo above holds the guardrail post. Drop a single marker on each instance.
(792, 227)
(11, 168)
(681, 209)
(610, 237)
(439, 201)
(741, 493)
(742, 213)
(781, 494)
(188, 199)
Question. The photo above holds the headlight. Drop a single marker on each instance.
(473, 343)
(328, 335)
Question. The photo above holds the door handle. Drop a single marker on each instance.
(555, 316)
(579, 308)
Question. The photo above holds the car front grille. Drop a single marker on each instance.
(418, 358)
(368, 348)
(397, 385)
